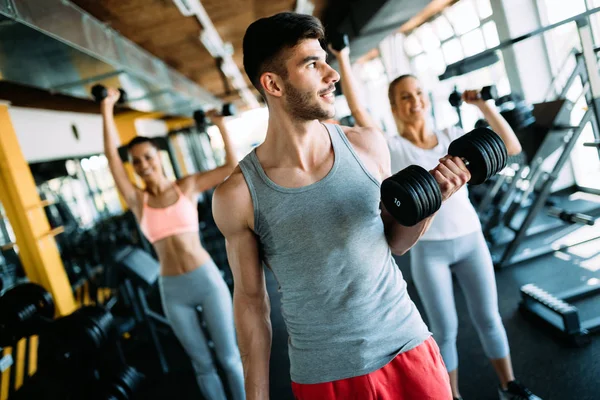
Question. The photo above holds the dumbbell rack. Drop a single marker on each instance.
(557, 312)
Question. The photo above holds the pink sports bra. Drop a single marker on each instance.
(159, 223)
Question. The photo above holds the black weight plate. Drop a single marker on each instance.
(416, 202)
(472, 152)
(502, 150)
(421, 176)
(487, 153)
(484, 139)
(499, 148)
(464, 148)
(414, 177)
(433, 188)
(501, 160)
(395, 189)
(228, 109)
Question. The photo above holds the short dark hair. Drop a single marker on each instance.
(394, 83)
(141, 139)
(265, 38)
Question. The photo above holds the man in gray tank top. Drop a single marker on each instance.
(306, 203)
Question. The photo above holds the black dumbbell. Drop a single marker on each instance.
(486, 93)
(24, 311)
(227, 110)
(75, 341)
(413, 194)
(99, 92)
(339, 41)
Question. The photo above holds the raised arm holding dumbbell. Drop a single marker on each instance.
(454, 242)
(479, 98)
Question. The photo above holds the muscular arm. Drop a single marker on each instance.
(205, 180)
(111, 140)
(350, 90)
(232, 211)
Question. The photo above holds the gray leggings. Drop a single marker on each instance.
(181, 295)
(432, 264)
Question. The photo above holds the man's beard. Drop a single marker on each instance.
(301, 105)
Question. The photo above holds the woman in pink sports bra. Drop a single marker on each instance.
(168, 216)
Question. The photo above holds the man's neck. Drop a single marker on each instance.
(293, 143)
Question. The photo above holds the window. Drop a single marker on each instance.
(472, 42)
(484, 8)
(464, 29)
(595, 19)
(559, 10)
(412, 46)
(490, 33)
(463, 16)
(442, 27)
(427, 37)
(102, 198)
(453, 51)
(437, 64)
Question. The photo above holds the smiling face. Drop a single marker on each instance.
(310, 83)
(408, 100)
(304, 84)
(146, 161)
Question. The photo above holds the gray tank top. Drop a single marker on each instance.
(343, 298)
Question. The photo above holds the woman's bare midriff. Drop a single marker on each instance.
(180, 254)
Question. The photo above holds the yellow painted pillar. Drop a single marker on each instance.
(34, 237)
(176, 142)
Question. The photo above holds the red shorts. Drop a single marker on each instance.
(418, 374)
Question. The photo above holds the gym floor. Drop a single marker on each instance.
(543, 362)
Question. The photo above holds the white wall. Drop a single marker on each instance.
(48, 135)
(151, 127)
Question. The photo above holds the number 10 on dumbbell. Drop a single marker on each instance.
(413, 194)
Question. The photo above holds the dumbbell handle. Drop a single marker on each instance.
(566, 216)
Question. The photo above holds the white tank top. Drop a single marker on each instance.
(457, 216)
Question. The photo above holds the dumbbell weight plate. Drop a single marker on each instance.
(339, 41)
(415, 200)
(130, 380)
(422, 198)
(501, 147)
(478, 161)
(489, 92)
(493, 150)
(228, 109)
(434, 189)
(476, 136)
(488, 154)
(491, 142)
(455, 99)
(422, 178)
(99, 92)
(122, 97)
(399, 199)
(497, 145)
